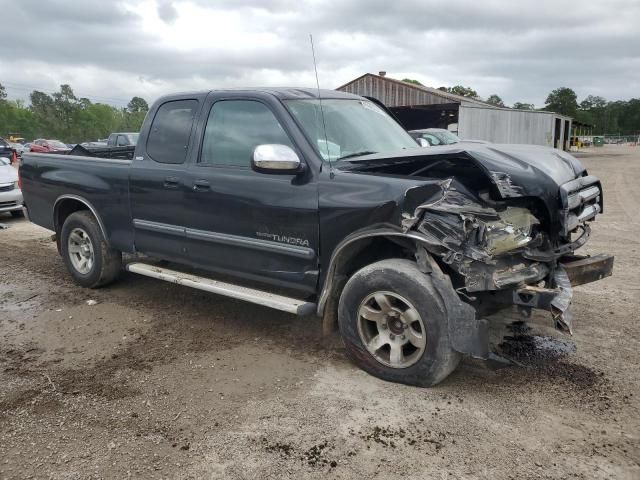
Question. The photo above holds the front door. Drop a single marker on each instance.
(256, 226)
(157, 181)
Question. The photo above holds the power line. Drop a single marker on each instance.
(30, 88)
(22, 86)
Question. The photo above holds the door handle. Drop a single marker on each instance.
(171, 182)
(201, 186)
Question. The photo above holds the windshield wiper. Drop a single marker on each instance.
(357, 154)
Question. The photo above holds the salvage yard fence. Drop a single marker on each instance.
(600, 140)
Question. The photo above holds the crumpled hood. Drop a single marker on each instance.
(525, 165)
(515, 170)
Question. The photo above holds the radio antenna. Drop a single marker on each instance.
(324, 125)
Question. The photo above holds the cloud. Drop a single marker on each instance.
(519, 50)
(167, 11)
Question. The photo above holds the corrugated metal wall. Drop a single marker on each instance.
(391, 94)
(506, 126)
(475, 121)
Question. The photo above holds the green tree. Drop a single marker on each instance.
(562, 100)
(523, 106)
(629, 121)
(3, 93)
(140, 105)
(464, 91)
(495, 100)
(460, 90)
(62, 115)
(592, 102)
(415, 82)
(66, 107)
(44, 115)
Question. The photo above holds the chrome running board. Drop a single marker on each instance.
(272, 300)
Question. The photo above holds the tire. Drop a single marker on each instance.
(17, 214)
(81, 239)
(425, 360)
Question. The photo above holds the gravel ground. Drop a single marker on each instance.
(159, 381)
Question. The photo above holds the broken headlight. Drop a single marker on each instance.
(511, 230)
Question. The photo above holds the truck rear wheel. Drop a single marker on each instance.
(394, 325)
(85, 252)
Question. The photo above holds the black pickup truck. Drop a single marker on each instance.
(319, 203)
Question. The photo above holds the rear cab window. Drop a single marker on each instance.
(170, 131)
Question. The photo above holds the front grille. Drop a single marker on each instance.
(8, 204)
(6, 188)
(581, 201)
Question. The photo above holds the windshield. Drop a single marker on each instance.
(57, 144)
(133, 138)
(353, 128)
(3, 142)
(4, 161)
(446, 137)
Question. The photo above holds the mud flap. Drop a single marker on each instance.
(468, 335)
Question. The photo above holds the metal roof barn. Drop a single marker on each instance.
(418, 107)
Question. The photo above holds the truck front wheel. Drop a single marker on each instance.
(85, 252)
(394, 325)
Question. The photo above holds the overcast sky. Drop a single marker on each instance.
(110, 50)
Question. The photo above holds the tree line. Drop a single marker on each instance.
(606, 117)
(63, 116)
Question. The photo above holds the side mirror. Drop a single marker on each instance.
(275, 158)
(423, 142)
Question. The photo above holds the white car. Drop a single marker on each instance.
(10, 193)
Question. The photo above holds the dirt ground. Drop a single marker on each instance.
(160, 381)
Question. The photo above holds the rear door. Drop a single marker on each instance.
(157, 180)
(257, 226)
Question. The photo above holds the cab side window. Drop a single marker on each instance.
(235, 128)
(170, 131)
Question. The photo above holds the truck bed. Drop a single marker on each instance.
(48, 177)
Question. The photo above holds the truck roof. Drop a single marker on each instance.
(283, 93)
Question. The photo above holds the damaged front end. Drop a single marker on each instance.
(503, 252)
(498, 227)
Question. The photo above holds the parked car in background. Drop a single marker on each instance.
(48, 146)
(5, 148)
(439, 136)
(126, 139)
(19, 148)
(10, 193)
(96, 144)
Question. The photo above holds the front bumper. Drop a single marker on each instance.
(587, 269)
(11, 201)
(571, 271)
